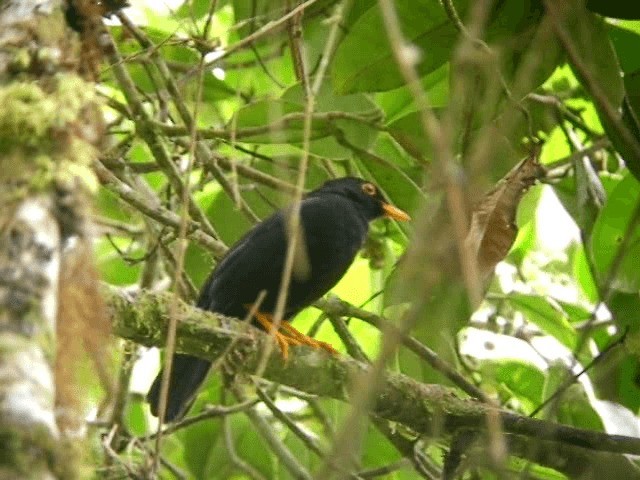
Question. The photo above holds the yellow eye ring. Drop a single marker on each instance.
(369, 189)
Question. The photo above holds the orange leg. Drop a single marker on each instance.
(305, 339)
(291, 337)
(282, 340)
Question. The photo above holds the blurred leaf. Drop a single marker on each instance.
(617, 419)
(409, 133)
(257, 117)
(135, 416)
(365, 62)
(600, 73)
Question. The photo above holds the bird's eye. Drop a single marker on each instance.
(369, 189)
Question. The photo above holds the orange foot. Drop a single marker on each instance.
(291, 335)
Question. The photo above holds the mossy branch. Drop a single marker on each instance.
(430, 410)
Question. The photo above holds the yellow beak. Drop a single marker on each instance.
(394, 212)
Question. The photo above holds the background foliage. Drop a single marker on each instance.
(211, 98)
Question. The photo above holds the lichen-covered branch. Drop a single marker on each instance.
(430, 410)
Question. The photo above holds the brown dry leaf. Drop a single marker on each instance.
(493, 229)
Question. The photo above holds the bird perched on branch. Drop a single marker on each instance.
(334, 221)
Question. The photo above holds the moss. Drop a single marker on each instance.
(71, 174)
(27, 455)
(26, 115)
(30, 114)
(20, 60)
(40, 135)
(71, 94)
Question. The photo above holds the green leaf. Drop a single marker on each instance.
(202, 443)
(583, 275)
(623, 307)
(546, 316)
(251, 15)
(608, 234)
(574, 407)
(113, 268)
(626, 42)
(399, 102)
(213, 89)
(196, 8)
(260, 122)
(589, 37)
(505, 362)
(364, 60)
(341, 123)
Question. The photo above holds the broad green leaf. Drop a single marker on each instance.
(574, 407)
(113, 268)
(399, 102)
(505, 362)
(364, 60)
(590, 38)
(202, 442)
(377, 451)
(546, 316)
(623, 307)
(213, 89)
(196, 8)
(261, 122)
(341, 123)
(626, 43)
(599, 71)
(251, 15)
(608, 233)
(583, 275)
(409, 133)
(520, 377)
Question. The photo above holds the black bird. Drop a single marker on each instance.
(335, 220)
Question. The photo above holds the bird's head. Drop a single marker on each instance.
(365, 195)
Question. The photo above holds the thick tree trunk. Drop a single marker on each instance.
(29, 267)
(48, 123)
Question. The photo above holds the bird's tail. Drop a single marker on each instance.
(187, 374)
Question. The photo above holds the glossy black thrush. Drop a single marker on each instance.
(335, 220)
